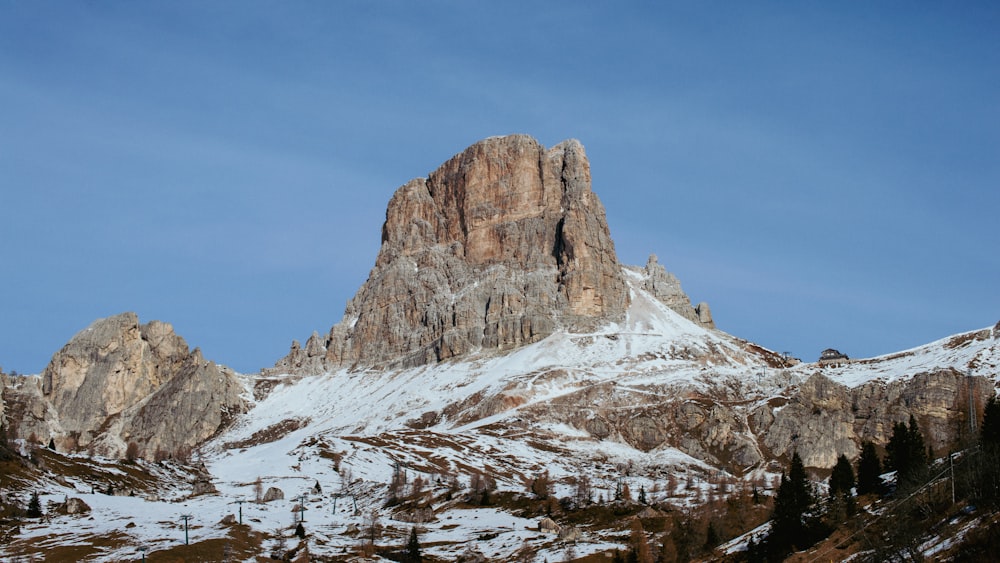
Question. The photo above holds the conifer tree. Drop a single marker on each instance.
(869, 469)
(842, 478)
(986, 466)
(905, 452)
(711, 537)
(34, 507)
(989, 434)
(791, 507)
(413, 548)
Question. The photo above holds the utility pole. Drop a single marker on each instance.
(186, 517)
(972, 403)
(142, 550)
(302, 508)
(951, 461)
(240, 502)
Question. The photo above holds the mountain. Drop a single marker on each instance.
(119, 382)
(498, 347)
(499, 247)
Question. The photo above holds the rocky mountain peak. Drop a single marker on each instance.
(117, 382)
(667, 288)
(497, 248)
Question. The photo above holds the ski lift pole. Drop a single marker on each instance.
(186, 517)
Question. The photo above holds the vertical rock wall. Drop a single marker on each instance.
(497, 248)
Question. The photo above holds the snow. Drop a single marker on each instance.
(974, 353)
(366, 418)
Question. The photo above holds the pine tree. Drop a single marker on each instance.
(905, 452)
(413, 548)
(34, 507)
(921, 453)
(869, 469)
(791, 505)
(987, 464)
(989, 434)
(711, 537)
(842, 478)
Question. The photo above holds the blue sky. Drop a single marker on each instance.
(823, 174)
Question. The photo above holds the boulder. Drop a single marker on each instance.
(75, 505)
(548, 525)
(570, 534)
(203, 487)
(273, 493)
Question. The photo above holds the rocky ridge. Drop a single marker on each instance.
(559, 360)
(665, 286)
(482, 255)
(118, 382)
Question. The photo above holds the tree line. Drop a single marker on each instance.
(801, 518)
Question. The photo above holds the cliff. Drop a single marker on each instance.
(118, 382)
(499, 247)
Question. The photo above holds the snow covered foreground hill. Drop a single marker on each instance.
(655, 403)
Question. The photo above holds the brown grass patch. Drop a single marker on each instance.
(963, 339)
(270, 434)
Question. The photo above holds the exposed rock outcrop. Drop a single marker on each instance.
(272, 494)
(497, 248)
(118, 382)
(824, 419)
(667, 288)
(817, 417)
(73, 506)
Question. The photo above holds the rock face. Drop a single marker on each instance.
(497, 248)
(118, 382)
(667, 288)
(824, 419)
(818, 417)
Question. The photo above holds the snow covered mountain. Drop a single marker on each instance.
(497, 352)
(574, 406)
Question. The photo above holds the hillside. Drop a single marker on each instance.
(498, 373)
(508, 416)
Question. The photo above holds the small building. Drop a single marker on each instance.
(833, 357)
